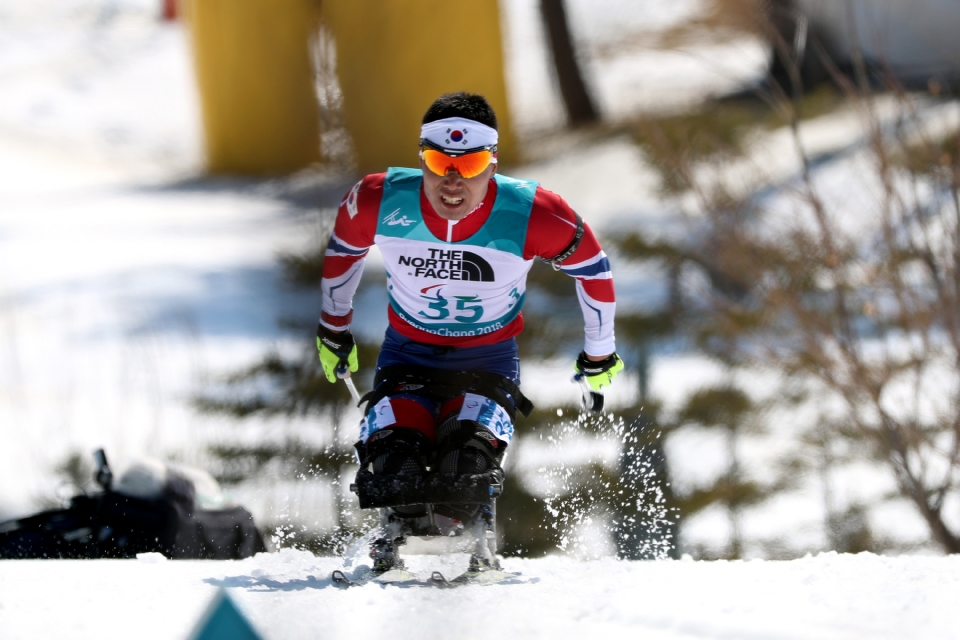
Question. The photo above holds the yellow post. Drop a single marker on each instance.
(255, 74)
(395, 57)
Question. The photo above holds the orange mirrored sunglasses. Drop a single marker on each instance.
(469, 164)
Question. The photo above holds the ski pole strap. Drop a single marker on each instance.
(571, 248)
(443, 384)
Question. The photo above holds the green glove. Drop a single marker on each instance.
(336, 350)
(599, 373)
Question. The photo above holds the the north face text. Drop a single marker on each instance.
(450, 265)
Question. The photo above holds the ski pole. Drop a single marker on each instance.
(590, 400)
(344, 374)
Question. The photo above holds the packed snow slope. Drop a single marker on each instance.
(289, 595)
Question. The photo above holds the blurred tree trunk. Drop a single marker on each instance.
(576, 96)
(799, 48)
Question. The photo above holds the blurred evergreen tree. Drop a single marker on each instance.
(855, 307)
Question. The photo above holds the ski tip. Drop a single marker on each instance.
(340, 578)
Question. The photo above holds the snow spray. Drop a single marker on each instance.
(612, 501)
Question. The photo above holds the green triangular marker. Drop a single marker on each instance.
(223, 621)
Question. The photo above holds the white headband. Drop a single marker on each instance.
(458, 134)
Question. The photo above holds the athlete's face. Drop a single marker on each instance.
(453, 197)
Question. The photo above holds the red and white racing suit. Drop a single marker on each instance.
(551, 228)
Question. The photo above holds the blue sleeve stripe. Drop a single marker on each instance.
(336, 247)
(598, 267)
(598, 312)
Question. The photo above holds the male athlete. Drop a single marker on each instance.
(458, 240)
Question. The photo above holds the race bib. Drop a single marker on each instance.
(489, 414)
(378, 417)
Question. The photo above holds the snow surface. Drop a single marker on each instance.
(289, 595)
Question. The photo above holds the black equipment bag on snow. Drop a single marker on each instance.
(112, 525)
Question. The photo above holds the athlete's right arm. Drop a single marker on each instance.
(353, 234)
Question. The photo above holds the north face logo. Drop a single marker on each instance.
(450, 265)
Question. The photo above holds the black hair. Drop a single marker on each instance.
(463, 105)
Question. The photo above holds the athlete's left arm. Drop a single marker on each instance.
(552, 228)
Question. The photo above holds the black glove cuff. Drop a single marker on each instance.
(339, 343)
(595, 367)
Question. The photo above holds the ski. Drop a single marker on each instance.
(365, 575)
(401, 577)
(489, 576)
(396, 576)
